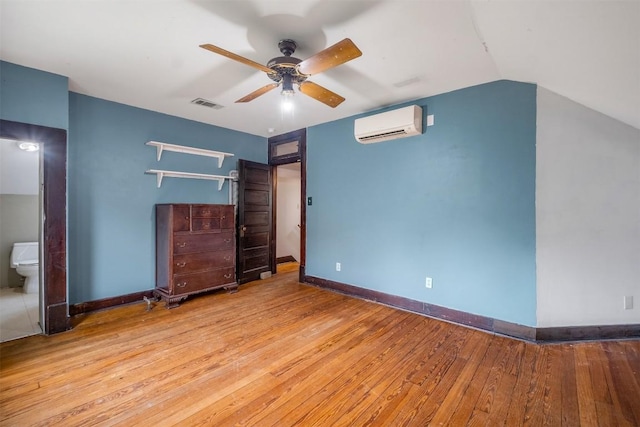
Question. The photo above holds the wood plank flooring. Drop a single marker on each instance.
(279, 353)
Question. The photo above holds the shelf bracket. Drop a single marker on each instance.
(159, 151)
(159, 177)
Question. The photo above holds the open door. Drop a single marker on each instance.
(255, 208)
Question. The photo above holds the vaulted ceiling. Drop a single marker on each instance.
(145, 53)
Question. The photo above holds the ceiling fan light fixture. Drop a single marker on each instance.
(287, 85)
(287, 101)
(287, 93)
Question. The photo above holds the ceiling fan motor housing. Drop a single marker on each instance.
(286, 64)
(287, 47)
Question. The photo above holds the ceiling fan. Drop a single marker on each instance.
(287, 70)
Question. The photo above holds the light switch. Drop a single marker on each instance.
(628, 303)
(430, 120)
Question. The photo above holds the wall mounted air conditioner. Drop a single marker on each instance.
(399, 123)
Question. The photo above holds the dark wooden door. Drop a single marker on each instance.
(255, 206)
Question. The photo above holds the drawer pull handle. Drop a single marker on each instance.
(227, 258)
(206, 225)
(182, 284)
(206, 212)
(227, 276)
(181, 264)
(182, 244)
(224, 217)
(227, 240)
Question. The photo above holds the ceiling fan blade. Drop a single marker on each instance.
(231, 55)
(321, 94)
(332, 56)
(256, 93)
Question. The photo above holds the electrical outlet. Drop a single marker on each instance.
(338, 266)
(428, 283)
(628, 303)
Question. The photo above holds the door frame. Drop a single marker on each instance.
(53, 144)
(299, 136)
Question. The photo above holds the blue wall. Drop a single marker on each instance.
(111, 199)
(32, 96)
(456, 204)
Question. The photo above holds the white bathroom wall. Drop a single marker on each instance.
(587, 215)
(18, 169)
(288, 211)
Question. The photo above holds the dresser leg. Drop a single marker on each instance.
(170, 301)
(232, 289)
(173, 302)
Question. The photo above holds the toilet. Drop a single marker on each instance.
(24, 258)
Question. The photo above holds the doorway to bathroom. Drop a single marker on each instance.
(54, 313)
(20, 201)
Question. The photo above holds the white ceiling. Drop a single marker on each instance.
(145, 52)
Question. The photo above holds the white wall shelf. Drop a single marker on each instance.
(175, 174)
(162, 146)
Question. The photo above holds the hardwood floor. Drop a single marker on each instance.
(282, 353)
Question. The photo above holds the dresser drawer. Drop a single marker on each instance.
(186, 283)
(227, 216)
(205, 224)
(201, 261)
(205, 211)
(181, 217)
(190, 243)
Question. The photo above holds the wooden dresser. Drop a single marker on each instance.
(195, 250)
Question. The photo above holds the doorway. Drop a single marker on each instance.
(258, 210)
(19, 223)
(287, 158)
(54, 316)
(287, 205)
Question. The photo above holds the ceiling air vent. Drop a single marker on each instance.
(205, 103)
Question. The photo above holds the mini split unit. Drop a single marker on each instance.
(394, 124)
